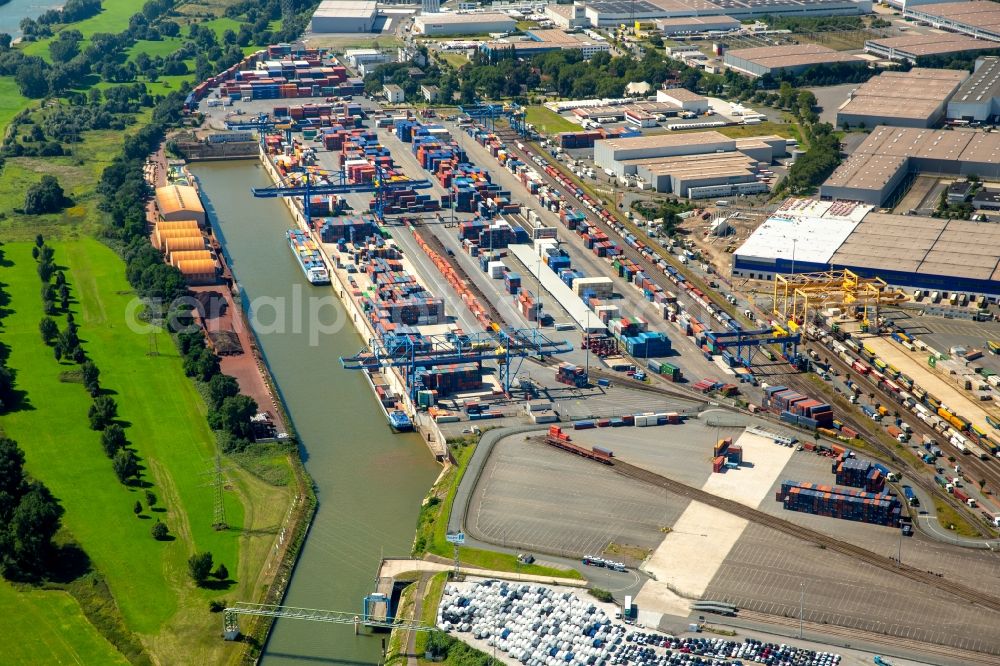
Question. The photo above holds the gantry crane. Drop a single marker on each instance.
(795, 294)
(508, 348)
(263, 124)
(488, 112)
(336, 182)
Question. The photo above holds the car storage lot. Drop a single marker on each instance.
(768, 571)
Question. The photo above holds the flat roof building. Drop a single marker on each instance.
(694, 24)
(334, 16)
(180, 202)
(904, 250)
(478, 23)
(978, 99)
(691, 164)
(683, 98)
(978, 18)
(889, 154)
(916, 49)
(763, 60)
(567, 16)
(604, 13)
(917, 98)
(543, 41)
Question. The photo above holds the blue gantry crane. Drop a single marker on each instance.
(745, 342)
(488, 112)
(508, 348)
(263, 124)
(336, 182)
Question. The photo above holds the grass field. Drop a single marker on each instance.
(11, 101)
(742, 131)
(548, 121)
(167, 426)
(456, 60)
(56, 614)
(113, 18)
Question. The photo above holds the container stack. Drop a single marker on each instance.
(345, 229)
(453, 378)
(797, 409)
(858, 473)
(668, 370)
(844, 503)
(527, 305)
(574, 375)
(512, 282)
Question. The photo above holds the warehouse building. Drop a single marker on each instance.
(696, 164)
(543, 41)
(567, 16)
(180, 202)
(690, 25)
(917, 49)
(978, 99)
(917, 98)
(606, 13)
(344, 16)
(683, 98)
(882, 163)
(907, 251)
(792, 58)
(463, 24)
(978, 18)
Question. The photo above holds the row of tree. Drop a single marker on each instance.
(29, 518)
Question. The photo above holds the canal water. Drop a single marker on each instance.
(369, 481)
(15, 10)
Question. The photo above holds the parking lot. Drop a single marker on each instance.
(538, 498)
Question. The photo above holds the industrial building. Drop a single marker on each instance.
(690, 25)
(605, 13)
(358, 58)
(890, 154)
(180, 202)
(978, 18)
(543, 41)
(683, 98)
(917, 98)
(463, 24)
(978, 99)
(693, 164)
(807, 236)
(916, 49)
(567, 16)
(393, 94)
(344, 16)
(763, 60)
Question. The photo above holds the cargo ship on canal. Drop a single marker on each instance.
(309, 257)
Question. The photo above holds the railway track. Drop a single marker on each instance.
(853, 635)
(975, 468)
(855, 552)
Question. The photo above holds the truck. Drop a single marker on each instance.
(960, 494)
(860, 368)
(897, 434)
(871, 413)
(911, 497)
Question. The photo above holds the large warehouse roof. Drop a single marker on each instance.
(789, 55)
(923, 245)
(914, 95)
(918, 46)
(973, 14)
(176, 198)
(346, 9)
(984, 84)
(666, 140)
(905, 250)
(449, 18)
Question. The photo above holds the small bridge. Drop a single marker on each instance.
(231, 627)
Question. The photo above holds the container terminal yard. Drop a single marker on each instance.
(784, 464)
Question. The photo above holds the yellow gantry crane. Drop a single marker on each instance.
(795, 294)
